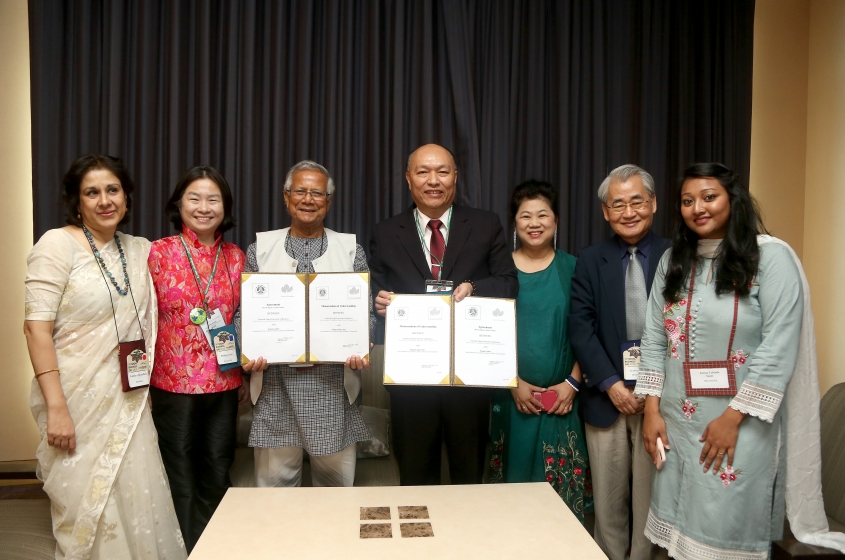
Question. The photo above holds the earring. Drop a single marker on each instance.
(555, 242)
(514, 240)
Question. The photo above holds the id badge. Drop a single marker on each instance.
(134, 365)
(714, 378)
(439, 287)
(631, 359)
(215, 320)
(225, 344)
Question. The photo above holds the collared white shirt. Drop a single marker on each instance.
(423, 220)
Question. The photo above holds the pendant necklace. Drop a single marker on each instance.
(122, 291)
(198, 315)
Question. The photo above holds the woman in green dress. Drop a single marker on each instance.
(532, 443)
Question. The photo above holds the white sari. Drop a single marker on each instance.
(110, 498)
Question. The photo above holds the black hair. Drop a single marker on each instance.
(200, 172)
(72, 181)
(739, 256)
(532, 190)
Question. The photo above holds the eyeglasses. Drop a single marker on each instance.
(635, 205)
(302, 193)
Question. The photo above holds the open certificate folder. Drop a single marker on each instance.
(305, 318)
(430, 340)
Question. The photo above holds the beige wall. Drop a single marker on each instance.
(798, 148)
(18, 433)
(779, 115)
(824, 229)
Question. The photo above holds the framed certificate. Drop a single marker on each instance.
(305, 318)
(430, 340)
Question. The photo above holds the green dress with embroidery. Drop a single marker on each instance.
(735, 514)
(544, 447)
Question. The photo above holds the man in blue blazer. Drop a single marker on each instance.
(607, 313)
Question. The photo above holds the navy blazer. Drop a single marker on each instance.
(597, 321)
(476, 250)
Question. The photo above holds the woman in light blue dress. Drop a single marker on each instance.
(730, 307)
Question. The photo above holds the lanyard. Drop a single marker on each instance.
(689, 304)
(426, 249)
(203, 293)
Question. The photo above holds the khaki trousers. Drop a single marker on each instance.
(283, 467)
(617, 454)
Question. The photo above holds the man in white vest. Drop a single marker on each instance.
(306, 408)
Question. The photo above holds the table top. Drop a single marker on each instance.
(471, 521)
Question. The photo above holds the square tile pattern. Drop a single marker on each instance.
(385, 530)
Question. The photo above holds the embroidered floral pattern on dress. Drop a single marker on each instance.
(675, 324)
(567, 472)
(688, 407)
(739, 357)
(728, 475)
(496, 455)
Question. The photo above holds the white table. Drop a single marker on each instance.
(474, 521)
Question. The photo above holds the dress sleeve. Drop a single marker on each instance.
(782, 306)
(48, 269)
(653, 345)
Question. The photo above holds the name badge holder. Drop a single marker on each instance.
(132, 355)
(439, 287)
(712, 378)
(631, 353)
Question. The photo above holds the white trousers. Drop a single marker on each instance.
(283, 467)
(617, 453)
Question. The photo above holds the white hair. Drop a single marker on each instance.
(308, 165)
(622, 174)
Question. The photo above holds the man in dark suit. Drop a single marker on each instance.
(438, 240)
(607, 312)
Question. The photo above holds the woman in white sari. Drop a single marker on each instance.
(88, 287)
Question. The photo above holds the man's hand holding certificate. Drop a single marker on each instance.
(431, 340)
(305, 318)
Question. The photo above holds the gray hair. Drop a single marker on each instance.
(622, 174)
(308, 165)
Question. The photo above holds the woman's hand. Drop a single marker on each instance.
(255, 366)
(381, 301)
(654, 427)
(719, 438)
(61, 432)
(525, 401)
(565, 396)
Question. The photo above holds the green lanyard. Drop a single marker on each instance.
(203, 293)
(426, 250)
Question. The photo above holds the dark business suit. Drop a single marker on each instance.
(597, 321)
(597, 328)
(422, 417)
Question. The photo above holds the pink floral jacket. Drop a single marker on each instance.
(184, 361)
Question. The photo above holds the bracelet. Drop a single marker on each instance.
(37, 375)
(573, 383)
(471, 283)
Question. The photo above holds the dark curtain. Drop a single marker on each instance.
(562, 91)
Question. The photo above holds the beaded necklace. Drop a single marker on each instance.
(121, 291)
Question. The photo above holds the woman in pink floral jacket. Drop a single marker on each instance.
(195, 399)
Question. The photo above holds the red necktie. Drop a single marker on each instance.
(438, 247)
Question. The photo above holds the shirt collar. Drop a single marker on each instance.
(423, 220)
(643, 245)
(192, 239)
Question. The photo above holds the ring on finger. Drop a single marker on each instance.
(720, 453)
